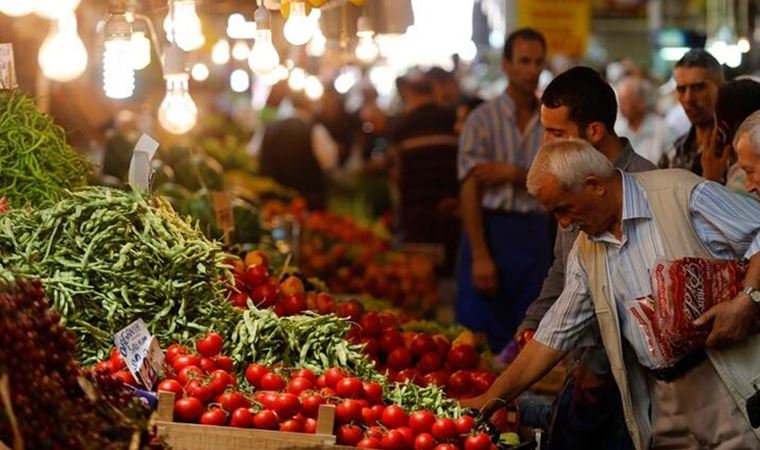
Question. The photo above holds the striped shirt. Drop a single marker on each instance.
(727, 223)
(490, 134)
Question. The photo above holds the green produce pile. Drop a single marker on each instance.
(108, 257)
(313, 341)
(36, 163)
(412, 397)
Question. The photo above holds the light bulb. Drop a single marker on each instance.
(118, 77)
(366, 49)
(62, 55)
(278, 74)
(298, 28)
(743, 44)
(55, 9)
(183, 24)
(177, 113)
(263, 58)
(240, 81)
(317, 44)
(220, 53)
(199, 72)
(140, 50)
(314, 88)
(17, 8)
(297, 79)
(240, 51)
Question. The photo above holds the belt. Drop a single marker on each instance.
(684, 365)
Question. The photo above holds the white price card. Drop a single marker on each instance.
(139, 167)
(7, 67)
(141, 352)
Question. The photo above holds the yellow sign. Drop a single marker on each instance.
(566, 24)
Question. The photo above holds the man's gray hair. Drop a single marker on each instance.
(750, 127)
(570, 161)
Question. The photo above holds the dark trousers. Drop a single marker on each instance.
(520, 245)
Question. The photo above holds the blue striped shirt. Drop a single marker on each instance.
(490, 134)
(727, 223)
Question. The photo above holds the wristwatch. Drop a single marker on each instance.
(753, 293)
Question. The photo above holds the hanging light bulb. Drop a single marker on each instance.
(240, 81)
(199, 72)
(140, 50)
(55, 9)
(263, 58)
(220, 53)
(278, 74)
(317, 44)
(298, 28)
(297, 79)
(240, 51)
(17, 8)
(366, 49)
(314, 89)
(177, 113)
(118, 78)
(183, 25)
(62, 56)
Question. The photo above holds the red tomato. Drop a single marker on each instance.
(272, 382)
(298, 385)
(350, 387)
(254, 373)
(349, 435)
(207, 364)
(463, 357)
(220, 379)
(444, 429)
(188, 373)
(368, 416)
(325, 303)
(370, 442)
(294, 304)
(256, 274)
(424, 441)
(214, 416)
(224, 363)
(116, 360)
(322, 381)
(199, 390)
(350, 309)
(446, 447)
(442, 343)
(333, 375)
(125, 377)
(266, 420)
(394, 416)
(371, 345)
(173, 352)
(188, 409)
(287, 405)
(183, 361)
(370, 324)
(292, 426)
(479, 441)
(231, 401)
(391, 340)
(393, 440)
(422, 343)
(430, 362)
(373, 392)
(310, 425)
(170, 386)
(421, 421)
(210, 345)
(408, 437)
(482, 381)
(439, 378)
(460, 382)
(241, 418)
(267, 398)
(400, 358)
(348, 410)
(464, 424)
(305, 373)
(410, 375)
(310, 404)
(265, 295)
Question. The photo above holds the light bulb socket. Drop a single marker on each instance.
(364, 27)
(261, 16)
(175, 60)
(117, 27)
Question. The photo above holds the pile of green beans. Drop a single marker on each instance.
(36, 163)
(107, 258)
(313, 341)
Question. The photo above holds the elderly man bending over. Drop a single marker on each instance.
(627, 221)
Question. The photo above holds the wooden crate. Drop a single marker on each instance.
(186, 436)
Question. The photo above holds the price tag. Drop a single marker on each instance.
(141, 352)
(225, 219)
(7, 67)
(139, 167)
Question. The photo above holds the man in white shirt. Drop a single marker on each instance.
(648, 132)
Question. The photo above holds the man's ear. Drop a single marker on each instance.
(595, 132)
(596, 185)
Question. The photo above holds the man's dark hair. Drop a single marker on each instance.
(437, 73)
(585, 94)
(523, 33)
(737, 99)
(699, 57)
